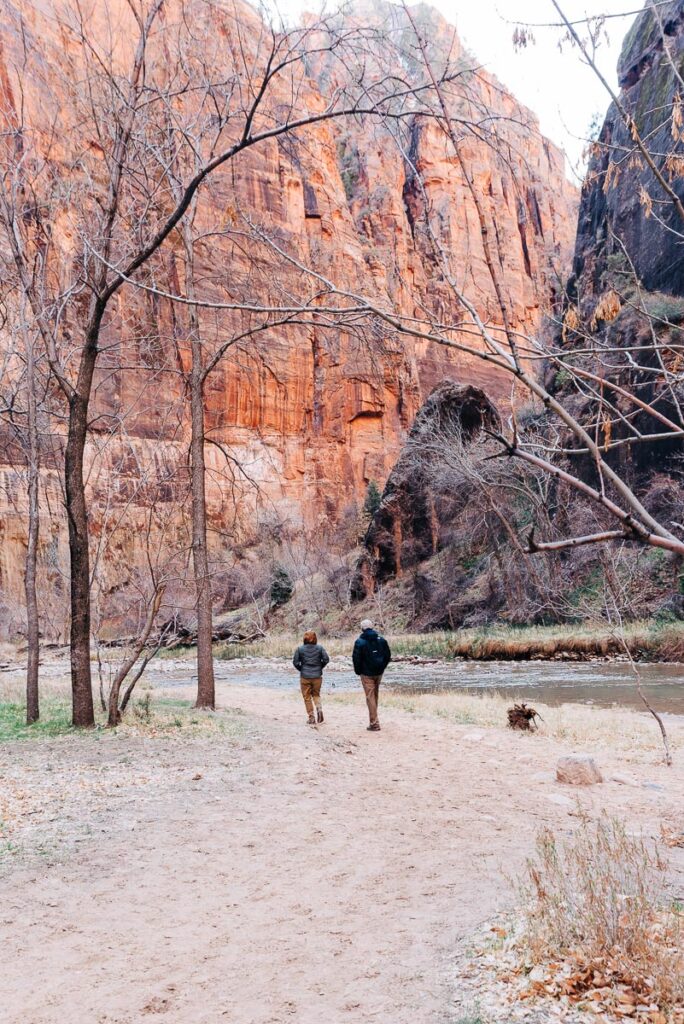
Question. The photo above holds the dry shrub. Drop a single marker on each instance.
(670, 644)
(598, 902)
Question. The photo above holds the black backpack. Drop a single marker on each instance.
(375, 659)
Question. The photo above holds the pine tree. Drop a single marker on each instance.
(373, 499)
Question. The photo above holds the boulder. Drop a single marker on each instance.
(578, 770)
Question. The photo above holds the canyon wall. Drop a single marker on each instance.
(623, 317)
(301, 419)
(628, 244)
(622, 208)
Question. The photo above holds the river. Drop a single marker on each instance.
(605, 684)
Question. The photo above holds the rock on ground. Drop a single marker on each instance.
(578, 770)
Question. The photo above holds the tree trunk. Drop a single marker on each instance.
(206, 690)
(32, 623)
(77, 514)
(206, 696)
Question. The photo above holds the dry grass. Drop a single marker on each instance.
(282, 645)
(632, 733)
(52, 687)
(650, 640)
(671, 644)
(598, 902)
(152, 716)
(524, 648)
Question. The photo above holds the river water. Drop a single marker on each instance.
(605, 684)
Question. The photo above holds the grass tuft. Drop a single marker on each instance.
(471, 1017)
(598, 901)
(55, 720)
(148, 716)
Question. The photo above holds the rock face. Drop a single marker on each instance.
(626, 289)
(406, 529)
(578, 770)
(628, 252)
(616, 207)
(308, 416)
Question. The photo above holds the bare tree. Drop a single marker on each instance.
(23, 399)
(208, 347)
(33, 473)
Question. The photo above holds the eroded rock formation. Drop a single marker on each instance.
(407, 527)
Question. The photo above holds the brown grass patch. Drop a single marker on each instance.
(631, 733)
(644, 641)
(525, 648)
(671, 644)
(598, 916)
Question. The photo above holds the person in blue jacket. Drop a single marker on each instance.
(371, 656)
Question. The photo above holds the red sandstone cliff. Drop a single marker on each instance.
(310, 415)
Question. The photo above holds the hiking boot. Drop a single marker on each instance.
(311, 720)
(319, 715)
(373, 728)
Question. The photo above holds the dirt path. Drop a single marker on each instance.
(316, 875)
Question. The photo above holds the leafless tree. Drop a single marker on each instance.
(23, 400)
(33, 474)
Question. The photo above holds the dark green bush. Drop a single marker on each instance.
(282, 587)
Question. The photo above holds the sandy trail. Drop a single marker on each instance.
(318, 875)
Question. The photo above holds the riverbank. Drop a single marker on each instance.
(602, 682)
(652, 640)
(243, 866)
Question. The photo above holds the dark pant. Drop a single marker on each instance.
(311, 692)
(371, 687)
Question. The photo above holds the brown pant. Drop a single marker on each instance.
(371, 686)
(311, 692)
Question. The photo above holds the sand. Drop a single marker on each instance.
(275, 872)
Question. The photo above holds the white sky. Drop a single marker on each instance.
(564, 93)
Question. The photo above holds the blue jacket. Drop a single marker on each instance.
(368, 642)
